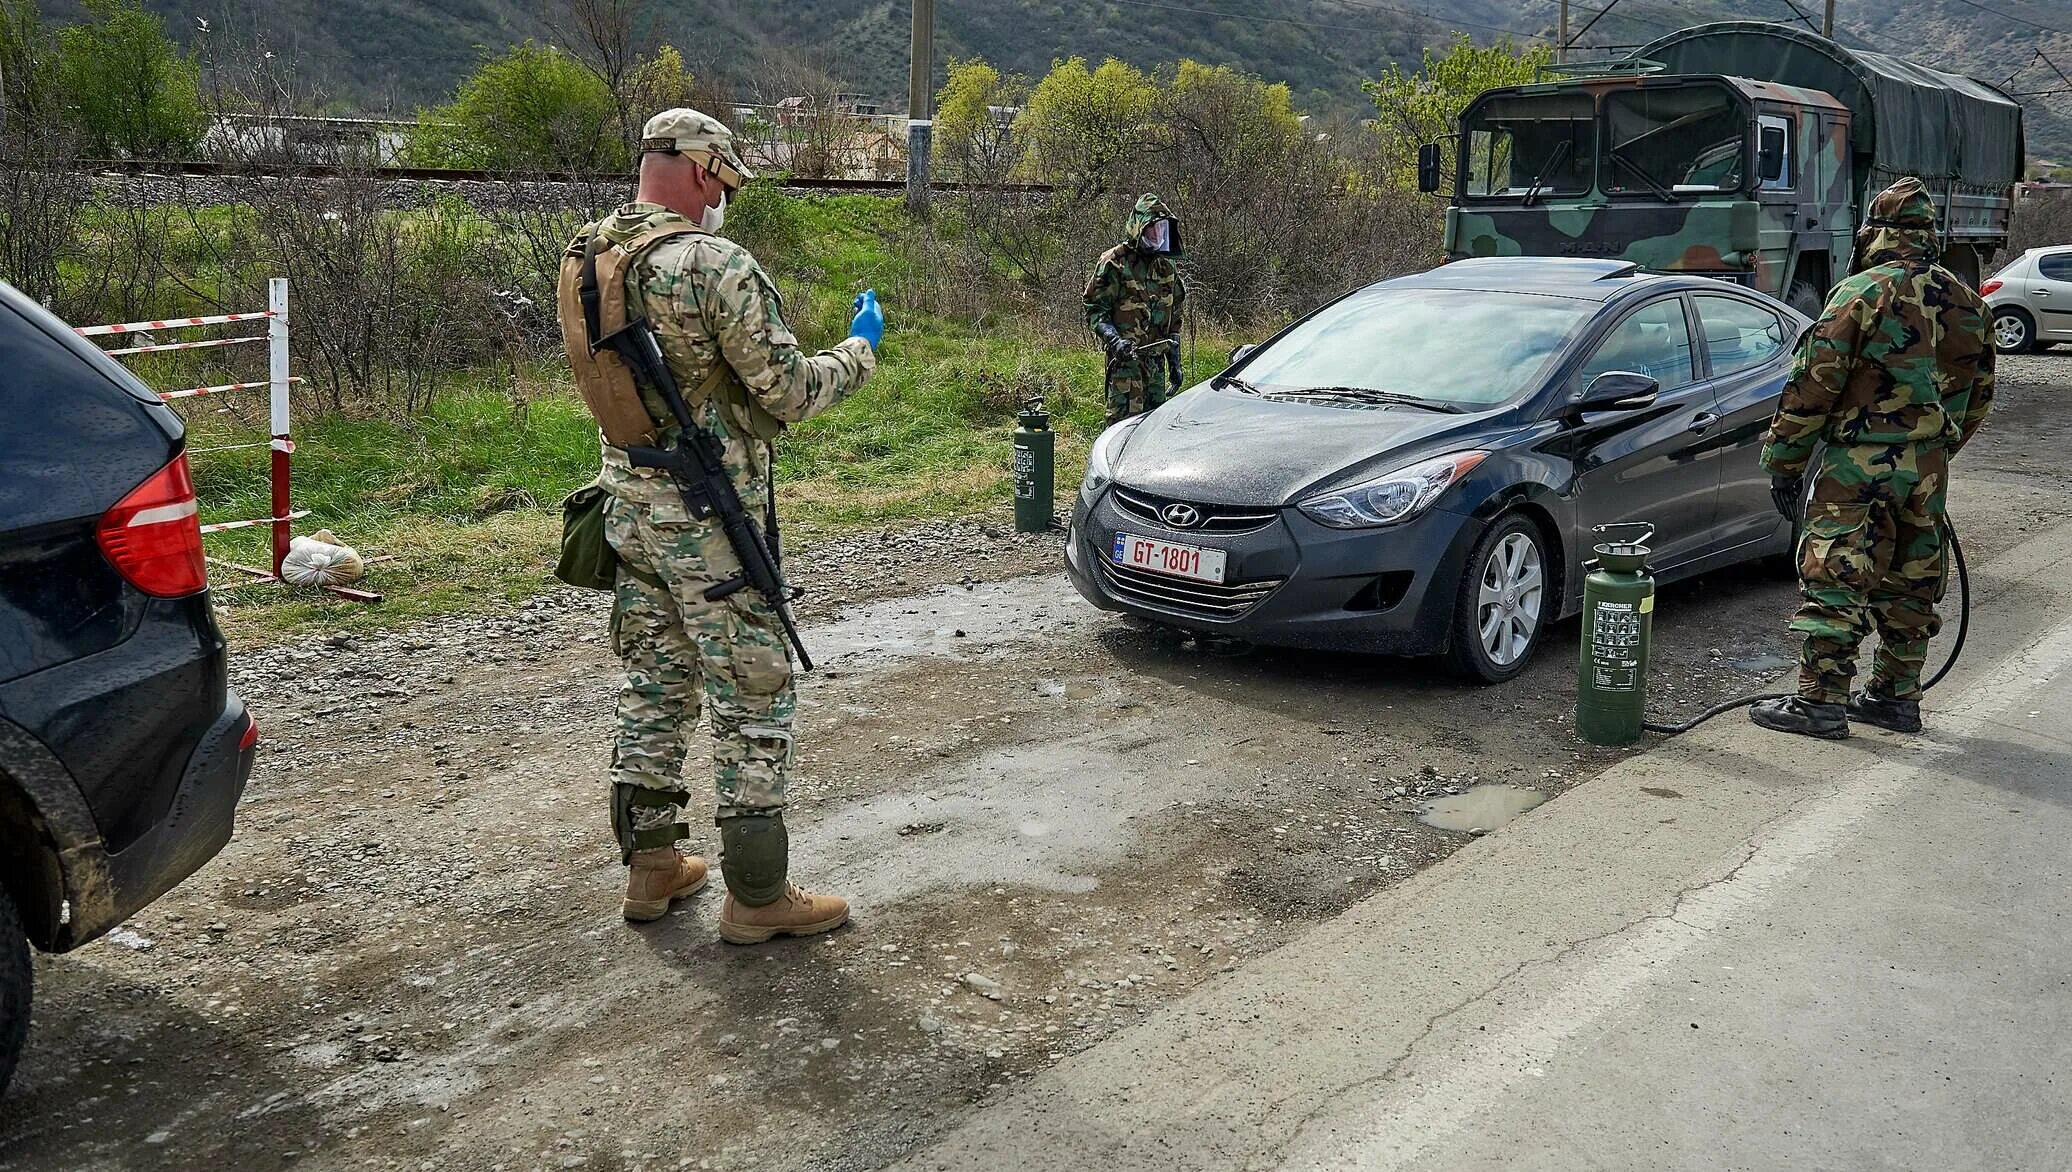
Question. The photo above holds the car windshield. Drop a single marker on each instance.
(1515, 143)
(1465, 347)
(1672, 141)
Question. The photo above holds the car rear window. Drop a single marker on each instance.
(1738, 334)
(2055, 265)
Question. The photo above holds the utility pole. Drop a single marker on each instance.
(1561, 42)
(920, 104)
(1827, 24)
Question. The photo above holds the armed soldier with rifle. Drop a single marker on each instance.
(679, 346)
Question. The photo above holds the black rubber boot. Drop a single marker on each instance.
(1901, 716)
(1829, 722)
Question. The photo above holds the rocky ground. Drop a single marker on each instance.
(1050, 820)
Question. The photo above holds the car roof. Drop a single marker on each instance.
(1582, 279)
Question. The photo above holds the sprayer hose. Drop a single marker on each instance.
(1956, 649)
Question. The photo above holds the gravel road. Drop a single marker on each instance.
(1050, 821)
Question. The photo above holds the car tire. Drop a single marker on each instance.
(2014, 331)
(1805, 297)
(16, 984)
(1495, 589)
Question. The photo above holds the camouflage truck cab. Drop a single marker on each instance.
(1740, 150)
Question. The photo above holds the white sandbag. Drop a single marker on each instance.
(318, 560)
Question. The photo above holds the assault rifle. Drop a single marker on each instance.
(698, 464)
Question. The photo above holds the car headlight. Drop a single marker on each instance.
(1100, 461)
(1397, 497)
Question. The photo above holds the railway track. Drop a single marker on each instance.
(214, 170)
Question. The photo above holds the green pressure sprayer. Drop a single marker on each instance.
(1618, 615)
(1035, 468)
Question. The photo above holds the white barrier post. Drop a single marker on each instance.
(283, 443)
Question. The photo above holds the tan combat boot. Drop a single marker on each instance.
(796, 913)
(658, 877)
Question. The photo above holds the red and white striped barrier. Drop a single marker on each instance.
(282, 515)
(176, 323)
(204, 344)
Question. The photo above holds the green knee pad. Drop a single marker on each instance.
(627, 800)
(754, 851)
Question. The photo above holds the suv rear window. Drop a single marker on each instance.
(2057, 266)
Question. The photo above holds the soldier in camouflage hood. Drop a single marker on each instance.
(1895, 378)
(720, 324)
(1133, 303)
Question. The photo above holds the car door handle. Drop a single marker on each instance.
(1702, 422)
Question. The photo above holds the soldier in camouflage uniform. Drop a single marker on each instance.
(1896, 377)
(1133, 303)
(709, 303)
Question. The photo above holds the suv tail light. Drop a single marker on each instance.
(1990, 287)
(153, 536)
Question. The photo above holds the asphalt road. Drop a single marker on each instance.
(1738, 951)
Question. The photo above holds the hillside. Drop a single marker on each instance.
(376, 55)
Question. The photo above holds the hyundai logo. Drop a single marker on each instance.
(1180, 516)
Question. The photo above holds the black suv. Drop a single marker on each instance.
(122, 749)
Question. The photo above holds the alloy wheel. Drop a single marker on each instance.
(1512, 589)
(2010, 332)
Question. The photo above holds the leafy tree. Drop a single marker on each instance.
(133, 92)
(1084, 126)
(1421, 107)
(971, 138)
(534, 108)
(29, 81)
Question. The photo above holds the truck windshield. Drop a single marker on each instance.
(1670, 142)
(1548, 139)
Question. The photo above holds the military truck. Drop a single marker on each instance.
(1740, 149)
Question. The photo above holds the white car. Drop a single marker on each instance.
(2031, 300)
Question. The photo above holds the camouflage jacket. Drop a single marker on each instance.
(1140, 293)
(710, 302)
(1901, 354)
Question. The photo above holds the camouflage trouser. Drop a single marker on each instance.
(1872, 556)
(676, 644)
(1137, 386)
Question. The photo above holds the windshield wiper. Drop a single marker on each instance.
(1222, 381)
(1618, 155)
(1373, 395)
(1555, 158)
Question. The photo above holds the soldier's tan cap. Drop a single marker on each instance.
(686, 131)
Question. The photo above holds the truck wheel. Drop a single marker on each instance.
(2013, 331)
(16, 979)
(1805, 298)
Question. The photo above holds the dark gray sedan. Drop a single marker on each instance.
(1416, 468)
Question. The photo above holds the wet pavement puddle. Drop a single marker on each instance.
(1483, 808)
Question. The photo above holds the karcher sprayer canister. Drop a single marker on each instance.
(1618, 616)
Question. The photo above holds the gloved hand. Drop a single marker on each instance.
(1120, 349)
(869, 323)
(1787, 493)
(1173, 365)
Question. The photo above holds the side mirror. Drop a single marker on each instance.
(1619, 390)
(1238, 354)
(1769, 154)
(1428, 168)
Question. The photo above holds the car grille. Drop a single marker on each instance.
(1143, 506)
(1197, 598)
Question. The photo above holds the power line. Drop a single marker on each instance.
(1337, 28)
(2008, 16)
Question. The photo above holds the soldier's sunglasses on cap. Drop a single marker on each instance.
(714, 163)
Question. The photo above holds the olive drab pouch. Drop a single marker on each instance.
(588, 560)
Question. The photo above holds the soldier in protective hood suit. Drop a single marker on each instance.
(1894, 379)
(1133, 304)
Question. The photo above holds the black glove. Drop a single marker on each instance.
(1787, 493)
(1120, 349)
(1173, 364)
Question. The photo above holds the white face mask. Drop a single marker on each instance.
(712, 219)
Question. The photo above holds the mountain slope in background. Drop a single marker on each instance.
(388, 55)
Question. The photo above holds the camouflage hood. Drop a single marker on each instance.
(1900, 228)
(630, 220)
(1149, 208)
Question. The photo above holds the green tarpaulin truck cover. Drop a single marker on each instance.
(1909, 119)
